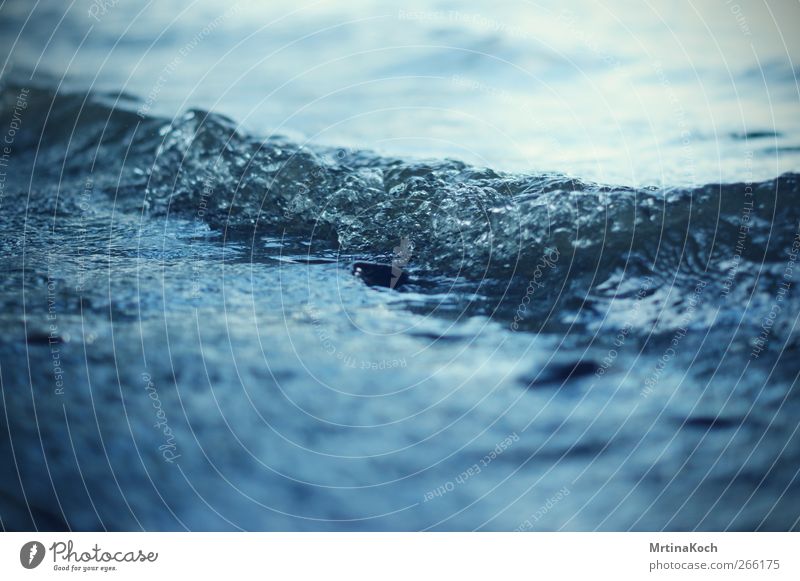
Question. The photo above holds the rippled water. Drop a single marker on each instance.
(295, 318)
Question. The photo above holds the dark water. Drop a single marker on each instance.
(185, 345)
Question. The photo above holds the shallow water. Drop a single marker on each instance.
(185, 344)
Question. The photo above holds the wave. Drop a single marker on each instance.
(454, 219)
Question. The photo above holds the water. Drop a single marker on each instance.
(607, 91)
(569, 329)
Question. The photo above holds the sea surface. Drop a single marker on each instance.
(436, 266)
